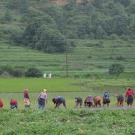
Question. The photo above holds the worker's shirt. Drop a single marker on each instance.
(13, 102)
(43, 95)
(1, 103)
(129, 93)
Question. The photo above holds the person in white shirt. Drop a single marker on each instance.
(49, 75)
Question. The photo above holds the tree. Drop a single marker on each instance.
(12, 4)
(56, 12)
(116, 69)
(131, 8)
(120, 25)
(124, 2)
(33, 72)
(44, 37)
(7, 16)
(23, 6)
(98, 3)
(50, 40)
(100, 32)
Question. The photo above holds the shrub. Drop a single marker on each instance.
(7, 69)
(120, 58)
(5, 74)
(33, 72)
(17, 73)
(116, 69)
(1, 71)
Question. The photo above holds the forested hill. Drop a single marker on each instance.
(47, 26)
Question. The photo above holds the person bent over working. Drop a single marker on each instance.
(13, 104)
(58, 101)
(120, 100)
(78, 102)
(129, 97)
(88, 102)
(97, 101)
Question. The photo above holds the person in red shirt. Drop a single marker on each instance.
(1, 103)
(13, 104)
(129, 96)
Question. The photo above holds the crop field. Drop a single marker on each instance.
(62, 121)
(67, 122)
(69, 88)
(29, 58)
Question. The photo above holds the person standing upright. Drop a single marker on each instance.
(26, 98)
(42, 99)
(129, 96)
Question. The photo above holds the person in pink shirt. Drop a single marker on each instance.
(42, 99)
(129, 96)
(88, 102)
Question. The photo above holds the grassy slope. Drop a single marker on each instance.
(23, 57)
(67, 122)
(88, 56)
(99, 55)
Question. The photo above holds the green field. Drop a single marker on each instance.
(65, 85)
(36, 85)
(89, 56)
(67, 122)
(69, 88)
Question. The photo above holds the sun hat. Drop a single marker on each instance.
(44, 90)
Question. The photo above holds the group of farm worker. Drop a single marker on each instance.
(96, 101)
(90, 101)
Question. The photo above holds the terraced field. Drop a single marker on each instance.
(24, 57)
(89, 56)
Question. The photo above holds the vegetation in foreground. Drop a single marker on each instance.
(67, 122)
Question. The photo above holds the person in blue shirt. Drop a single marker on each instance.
(106, 98)
(58, 100)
